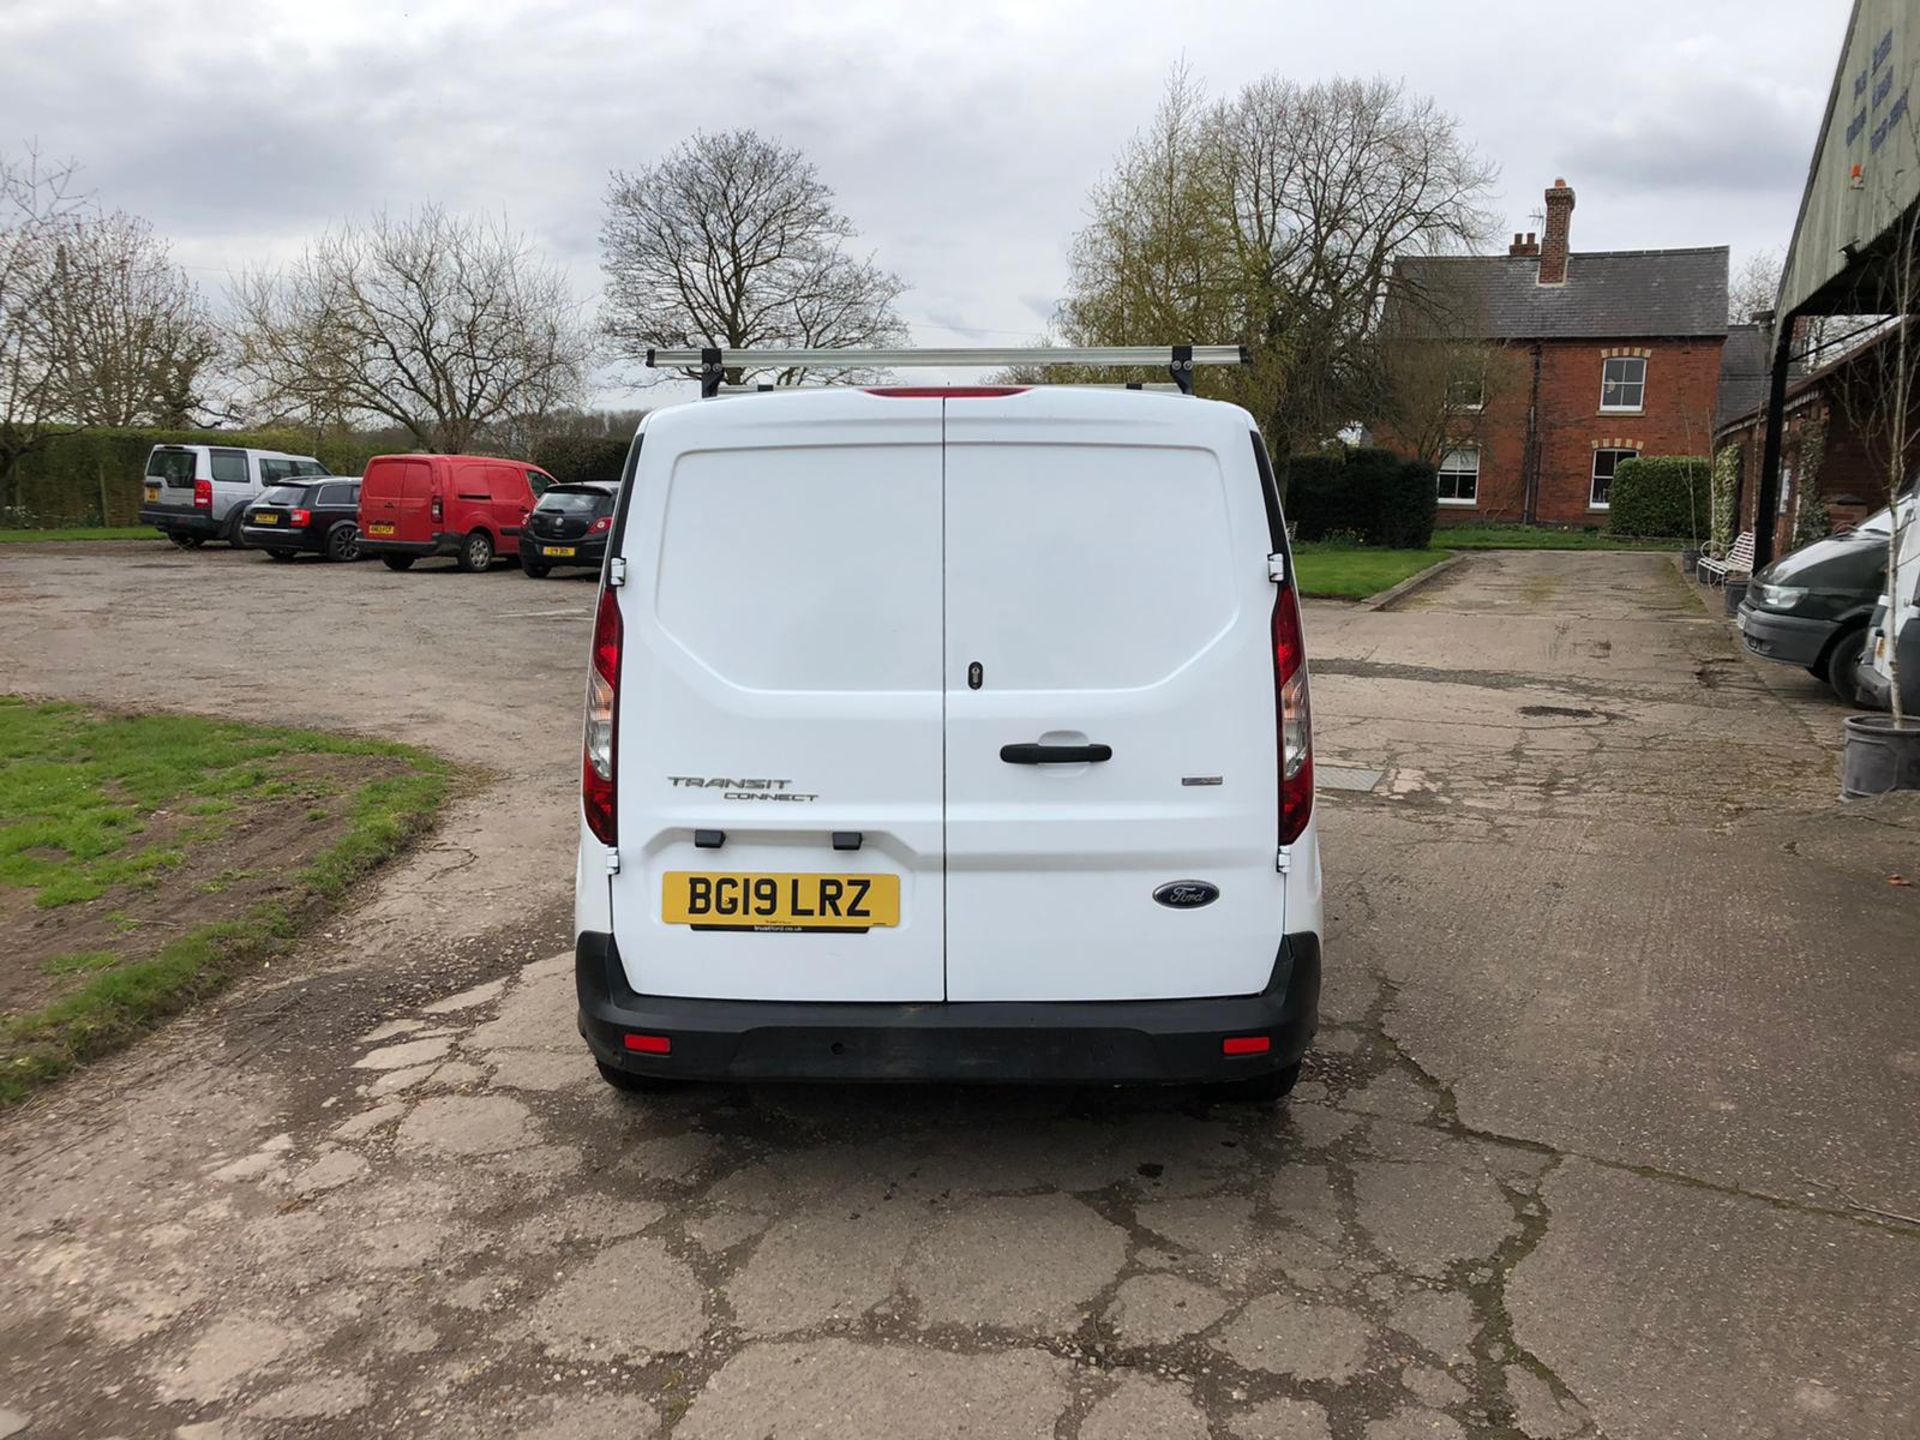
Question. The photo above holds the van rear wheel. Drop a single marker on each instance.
(1265, 1089)
(1843, 659)
(397, 562)
(633, 1084)
(477, 551)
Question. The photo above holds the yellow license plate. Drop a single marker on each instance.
(709, 901)
(153, 492)
(379, 528)
(266, 517)
(556, 549)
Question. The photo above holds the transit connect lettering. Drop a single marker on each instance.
(742, 789)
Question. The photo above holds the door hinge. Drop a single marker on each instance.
(1277, 568)
(616, 572)
(1280, 859)
(613, 861)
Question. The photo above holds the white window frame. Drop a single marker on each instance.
(1639, 405)
(1622, 453)
(1471, 501)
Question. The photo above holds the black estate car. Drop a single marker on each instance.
(568, 527)
(1811, 608)
(312, 517)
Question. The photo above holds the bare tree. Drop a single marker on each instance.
(37, 202)
(1754, 287)
(1436, 392)
(129, 338)
(734, 240)
(443, 325)
(1274, 220)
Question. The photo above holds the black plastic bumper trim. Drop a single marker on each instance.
(1049, 1042)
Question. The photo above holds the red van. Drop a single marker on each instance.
(468, 506)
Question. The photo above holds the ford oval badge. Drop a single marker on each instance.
(1187, 894)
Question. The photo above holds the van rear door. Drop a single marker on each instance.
(1107, 587)
(778, 738)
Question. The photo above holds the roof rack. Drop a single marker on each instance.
(713, 362)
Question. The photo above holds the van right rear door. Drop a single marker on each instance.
(1107, 597)
(779, 705)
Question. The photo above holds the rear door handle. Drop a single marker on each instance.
(1054, 754)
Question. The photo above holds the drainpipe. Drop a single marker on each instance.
(1530, 461)
(1767, 490)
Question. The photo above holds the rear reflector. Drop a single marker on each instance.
(650, 1044)
(1233, 1044)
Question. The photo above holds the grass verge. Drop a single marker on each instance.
(1537, 537)
(97, 532)
(1352, 572)
(107, 818)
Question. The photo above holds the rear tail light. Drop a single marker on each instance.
(203, 494)
(601, 526)
(597, 789)
(1292, 716)
(439, 510)
(301, 519)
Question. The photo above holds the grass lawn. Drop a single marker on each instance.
(81, 532)
(1535, 537)
(146, 860)
(1353, 572)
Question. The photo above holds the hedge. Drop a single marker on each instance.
(92, 477)
(571, 459)
(1373, 494)
(1661, 496)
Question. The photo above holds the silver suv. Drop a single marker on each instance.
(197, 493)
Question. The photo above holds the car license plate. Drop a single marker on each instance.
(556, 549)
(379, 527)
(709, 901)
(153, 492)
(265, 517)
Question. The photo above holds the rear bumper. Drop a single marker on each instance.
(283, 537)
(446, 542)
(591, 552)
(1095, 1042)
(1786, 638)
(180, 522)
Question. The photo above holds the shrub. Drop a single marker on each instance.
(1374, 494)
(92, 477)
(571, 459)
(1661, 496)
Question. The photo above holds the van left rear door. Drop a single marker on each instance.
(779, 732)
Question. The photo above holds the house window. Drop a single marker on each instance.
(1623, 383)
(1605, 462)
(1468, 394)
(1460, 478)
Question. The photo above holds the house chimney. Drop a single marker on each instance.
(1523, 244)
(1553, 249)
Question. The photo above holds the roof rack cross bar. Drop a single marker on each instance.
(1185, 357)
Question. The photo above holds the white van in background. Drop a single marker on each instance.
(1893, 639)
(949, 735)
(197, 493)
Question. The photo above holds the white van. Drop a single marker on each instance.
(949, 735)
(1892, 635)
(197, 493)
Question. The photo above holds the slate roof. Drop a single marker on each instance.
(1743, 374)
(1608, 294)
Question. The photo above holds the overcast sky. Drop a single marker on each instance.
(961, 138)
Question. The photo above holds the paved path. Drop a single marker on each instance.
(1608, 1134)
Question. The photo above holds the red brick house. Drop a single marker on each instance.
(1598, 356)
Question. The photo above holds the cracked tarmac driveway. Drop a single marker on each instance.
(1608, 1132)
